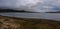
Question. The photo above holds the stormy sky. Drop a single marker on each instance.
(31, 5)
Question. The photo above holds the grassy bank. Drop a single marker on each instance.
(27, 23)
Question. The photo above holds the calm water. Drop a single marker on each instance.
(52, 16)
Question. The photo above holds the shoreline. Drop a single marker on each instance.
(27, 23)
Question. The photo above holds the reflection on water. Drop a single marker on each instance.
(53, 16)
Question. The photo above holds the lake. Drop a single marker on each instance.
(52, 16)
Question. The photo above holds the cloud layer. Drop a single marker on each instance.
(31, 5)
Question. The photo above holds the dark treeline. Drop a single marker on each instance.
(11, 10)
(54, 12)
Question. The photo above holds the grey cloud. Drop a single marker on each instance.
(30, 5)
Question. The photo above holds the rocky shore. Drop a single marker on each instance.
(27, 23)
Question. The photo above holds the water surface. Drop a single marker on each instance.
(52, 16)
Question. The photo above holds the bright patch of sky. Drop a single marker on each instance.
(31, 5)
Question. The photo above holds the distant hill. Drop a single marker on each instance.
(54, 12)
(11, 10)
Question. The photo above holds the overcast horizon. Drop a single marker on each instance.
(31, 5)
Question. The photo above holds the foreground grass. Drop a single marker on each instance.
(27, 23)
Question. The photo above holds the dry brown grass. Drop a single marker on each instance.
(27, 23)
